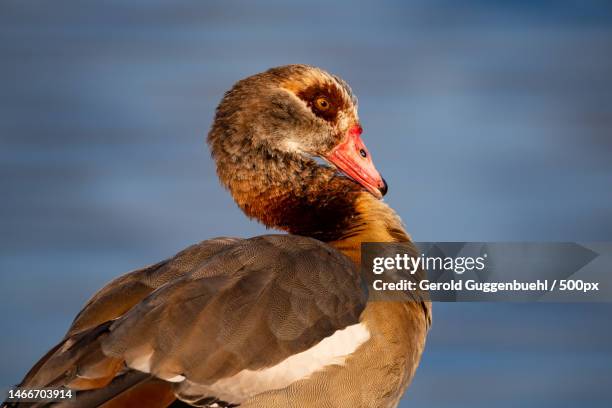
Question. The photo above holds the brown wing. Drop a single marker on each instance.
(121, 294)
(209, 313)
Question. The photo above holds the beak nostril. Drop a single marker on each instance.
(352, 158)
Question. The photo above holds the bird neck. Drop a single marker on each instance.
(297, 195)
(375, 221)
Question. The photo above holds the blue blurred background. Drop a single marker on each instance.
(491, 120)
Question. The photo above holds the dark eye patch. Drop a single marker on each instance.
(328, 91)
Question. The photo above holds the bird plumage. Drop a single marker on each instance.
(270, 321)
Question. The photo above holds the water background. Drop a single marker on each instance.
(490, 120)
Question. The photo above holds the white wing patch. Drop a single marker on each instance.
(140, 362)
(331, 350)
(176, 378)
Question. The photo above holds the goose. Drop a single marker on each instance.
(279, 320)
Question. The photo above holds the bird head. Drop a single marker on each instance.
(297, 115)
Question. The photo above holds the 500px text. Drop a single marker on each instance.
(489, 287)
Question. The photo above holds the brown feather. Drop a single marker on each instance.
(226, 306)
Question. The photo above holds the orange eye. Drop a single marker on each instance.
(321, 103)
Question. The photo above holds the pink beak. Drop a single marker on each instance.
(353, 159)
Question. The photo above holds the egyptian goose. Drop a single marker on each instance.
(271, 321)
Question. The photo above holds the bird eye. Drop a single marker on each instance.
(321, 103)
